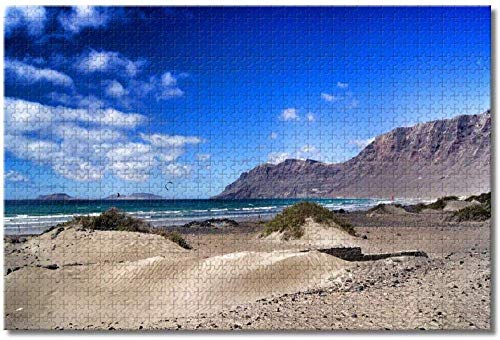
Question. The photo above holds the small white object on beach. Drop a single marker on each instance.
(19, 309)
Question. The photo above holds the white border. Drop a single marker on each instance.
(275, 335)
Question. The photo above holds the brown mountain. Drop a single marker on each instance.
(442, 157)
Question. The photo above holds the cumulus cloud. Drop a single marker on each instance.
(79, 169)
(85, 144)
(156, 87)
(29, 18)
(81, 17)
(341, 85)
(108, 62)
(308, 152)
(203, 157)
(168, 80)
(328, 97)
(39, 151)
(170, 93)
(289, 114)
(75, 100)
(22, 115)
(167, 141)
(26, 74)
(169, 147)
(14, 176)
(114, 89)
(83, 135)
(361, 143)
(166, 86)
(273, 135)
(177, 170)
(310, 117)
(277, 157)
(131, 161)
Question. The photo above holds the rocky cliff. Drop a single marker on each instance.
(428, 160)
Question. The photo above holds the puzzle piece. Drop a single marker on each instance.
(271, 168)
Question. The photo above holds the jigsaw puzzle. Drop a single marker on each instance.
(247, 168)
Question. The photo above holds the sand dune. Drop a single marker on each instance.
(318, 235)
(100, 280)
(112, 289)
(72, 246)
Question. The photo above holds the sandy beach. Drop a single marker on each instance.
(233, 278)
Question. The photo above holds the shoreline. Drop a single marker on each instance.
(25, 224)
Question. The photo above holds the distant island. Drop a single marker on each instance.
(56, 197)
(115, 197)
(134, 196)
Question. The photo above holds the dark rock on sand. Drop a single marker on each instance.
(212, 223)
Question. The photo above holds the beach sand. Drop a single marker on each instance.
(235, 279)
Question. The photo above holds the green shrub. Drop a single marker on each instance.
(176, 237)
(440, 204)
(381, 207)
(482, 198)
(477, 212)
(291, 220)
(415, 208)
(114, 219)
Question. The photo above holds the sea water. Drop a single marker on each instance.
(34, 216)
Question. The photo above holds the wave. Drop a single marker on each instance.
(185, 213)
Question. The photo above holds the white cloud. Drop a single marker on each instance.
(273, 135)
(169, 147)
(22, 115)
(203, 157)
(114, 89)
(75, 100)
(159, 88)
(277, 157)
(132, 161)
(168, 87)
(81, 135)
(14, 176)
(308, 148)
(78, 169)
(85, 144)
(141, 88)
(289, 114)
(39, 151)
(171, 93)
(81, 17)
(167, 141)
(31, 18)
(168, 80)
(28, 74)
(177, 170)
(342, 85)
(308, 152)
(310, 117)
(108, 62)
(361, 143)
(328, 97)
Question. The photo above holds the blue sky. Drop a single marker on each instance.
(104, 100)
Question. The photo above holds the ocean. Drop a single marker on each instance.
(35, 216)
